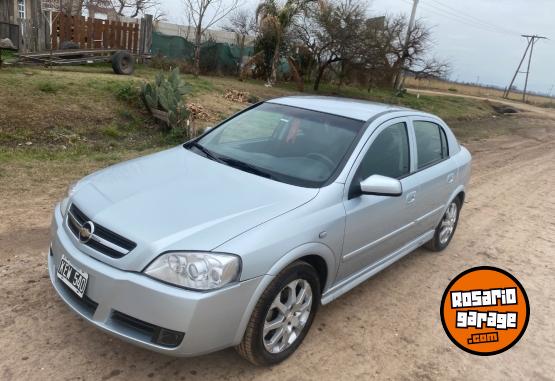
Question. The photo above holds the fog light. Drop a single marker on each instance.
(167, 337)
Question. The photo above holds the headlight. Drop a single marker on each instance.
(64, 204)
(194, 270)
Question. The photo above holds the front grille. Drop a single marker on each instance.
(158, 335)
(103, 240)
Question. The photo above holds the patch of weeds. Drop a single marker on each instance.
(127, 92)
(50, 87)
(253, 98)
(131, 121)
(175, 135)
(112, 132)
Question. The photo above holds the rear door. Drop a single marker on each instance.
(379, 225)
(435, 173)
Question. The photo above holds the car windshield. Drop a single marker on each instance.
(284, 143)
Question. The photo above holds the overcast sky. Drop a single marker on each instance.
(480, 38)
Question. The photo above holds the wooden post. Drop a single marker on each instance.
(145, 39)
(90, 36)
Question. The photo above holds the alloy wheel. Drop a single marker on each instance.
(448, 223)
(287, 316)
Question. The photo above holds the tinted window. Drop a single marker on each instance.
(431, 143)
(387, 156)
(292, 145)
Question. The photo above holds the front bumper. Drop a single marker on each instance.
(209, 320)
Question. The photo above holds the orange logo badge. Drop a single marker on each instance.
(485, 310)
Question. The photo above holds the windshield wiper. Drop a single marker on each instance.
(206, 152)
(231, 162)
(245, 167)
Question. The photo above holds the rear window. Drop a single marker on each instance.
(431, 143)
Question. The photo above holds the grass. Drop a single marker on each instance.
(49, 87)
(88, 113)
(475, 90)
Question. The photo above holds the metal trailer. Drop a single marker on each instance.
(122, 60)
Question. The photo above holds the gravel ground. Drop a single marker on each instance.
(387, 328)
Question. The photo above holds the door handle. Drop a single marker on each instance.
(411, 197)
(450, 178)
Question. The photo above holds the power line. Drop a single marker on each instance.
(455, 17)
(473, 18)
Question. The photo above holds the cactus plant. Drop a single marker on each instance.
(166, 95)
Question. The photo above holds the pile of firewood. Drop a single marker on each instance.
(197, 111)
(236, 95)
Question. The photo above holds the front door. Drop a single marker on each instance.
(377, 226)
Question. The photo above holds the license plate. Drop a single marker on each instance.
(74, 278)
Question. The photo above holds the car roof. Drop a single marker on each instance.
(346, 107)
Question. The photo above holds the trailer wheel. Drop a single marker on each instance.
(69, 45)
(122, 63)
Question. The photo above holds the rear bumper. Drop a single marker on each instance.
(209, 320)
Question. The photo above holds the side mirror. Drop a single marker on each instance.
(381, 186)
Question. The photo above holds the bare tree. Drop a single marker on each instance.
(132, 8)
(202, 15)
(331, 31)
(430, 68)
(415, 54)
(242, 23)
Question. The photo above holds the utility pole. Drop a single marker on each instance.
(400, 77)
(531, 39)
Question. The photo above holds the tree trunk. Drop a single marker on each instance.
(275, 61)
(198, 36)
(319, 75)
(241, 52)
(397, 69)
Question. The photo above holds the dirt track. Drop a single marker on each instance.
(387, 328)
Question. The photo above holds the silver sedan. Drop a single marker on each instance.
(235, 238)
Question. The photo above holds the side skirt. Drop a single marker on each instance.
(364, 274)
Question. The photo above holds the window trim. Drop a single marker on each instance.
(445, 139)
(368, 143)
(21, 9)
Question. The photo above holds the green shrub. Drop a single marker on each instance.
(166, 64)
(127, 92)
(112, 132)
(253, 99)
(50, 87)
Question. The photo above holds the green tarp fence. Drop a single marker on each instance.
(214, 56)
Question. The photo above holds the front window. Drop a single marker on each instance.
(21, 8)
(387, 156)
(288, 144)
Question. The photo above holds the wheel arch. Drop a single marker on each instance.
(317, 255)
(461, 195)
(320, 256)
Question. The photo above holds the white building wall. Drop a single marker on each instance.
(188, 33)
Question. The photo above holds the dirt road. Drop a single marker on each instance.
(387, 328)
(548, 112)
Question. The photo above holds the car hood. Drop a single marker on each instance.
(178, 200)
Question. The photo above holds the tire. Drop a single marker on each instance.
(439, 243)
(122, 63)
(254, 347)
(69, 45)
